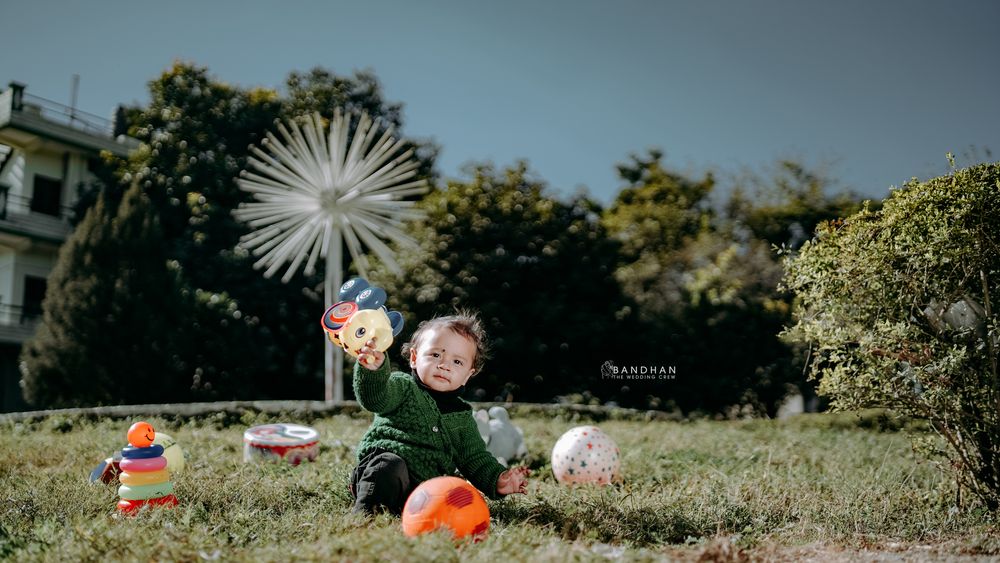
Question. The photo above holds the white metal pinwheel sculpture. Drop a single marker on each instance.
(316, 192)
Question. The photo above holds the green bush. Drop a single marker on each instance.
(112, 315)
(896, 305)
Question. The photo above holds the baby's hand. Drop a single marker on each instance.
(370, 357)
(514, 480)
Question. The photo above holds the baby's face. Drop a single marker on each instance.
(443, 359)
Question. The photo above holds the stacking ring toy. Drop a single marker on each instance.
(144, 477)
(145, 492)
(144, 464)
(130, 506)
(130, 452)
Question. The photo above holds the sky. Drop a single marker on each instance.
(874, 93)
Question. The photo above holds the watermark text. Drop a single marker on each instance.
(654, 372)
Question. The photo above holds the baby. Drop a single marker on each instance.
(422, 427)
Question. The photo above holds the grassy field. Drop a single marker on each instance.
(818, 486)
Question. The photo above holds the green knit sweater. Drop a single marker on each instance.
(409, 424)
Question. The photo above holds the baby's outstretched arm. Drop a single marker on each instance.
(514, 480)
(369, 357)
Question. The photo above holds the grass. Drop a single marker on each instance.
(815, 486)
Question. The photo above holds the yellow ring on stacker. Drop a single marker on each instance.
(144, 477)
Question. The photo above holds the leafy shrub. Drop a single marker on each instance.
(897, 307)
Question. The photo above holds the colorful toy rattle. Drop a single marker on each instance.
(359, 316)
(144, 477)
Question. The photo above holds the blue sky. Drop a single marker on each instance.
(879, 91)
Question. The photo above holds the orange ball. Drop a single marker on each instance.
(141, 434)
(446, 502)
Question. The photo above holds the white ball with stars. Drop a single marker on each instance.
(585, 454)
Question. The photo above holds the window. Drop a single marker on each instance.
(47, 198)
(34, 294)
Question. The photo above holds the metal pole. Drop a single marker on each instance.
(334, 355)
(72, 102)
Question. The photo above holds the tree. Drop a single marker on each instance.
(780, 208)
(196, 132)
(658, 210)
(111, 330)
(785, 205)
(653, 217)
(538, 270)
(697, 289)
(897, 306)
(706, 284)
(727, 330)
(320, 90)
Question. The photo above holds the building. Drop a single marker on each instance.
(47, 152)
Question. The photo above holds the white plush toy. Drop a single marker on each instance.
(504, 440)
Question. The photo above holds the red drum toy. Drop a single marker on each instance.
(289, 442)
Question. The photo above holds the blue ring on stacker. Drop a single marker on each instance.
(132, 452)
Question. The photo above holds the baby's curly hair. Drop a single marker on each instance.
(464, 323)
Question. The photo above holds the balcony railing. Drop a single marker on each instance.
(63, 114)
(20, 314)
(22, 202)
(47, 119)
(18, 323)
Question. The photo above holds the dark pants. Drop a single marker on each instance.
(381, 482)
